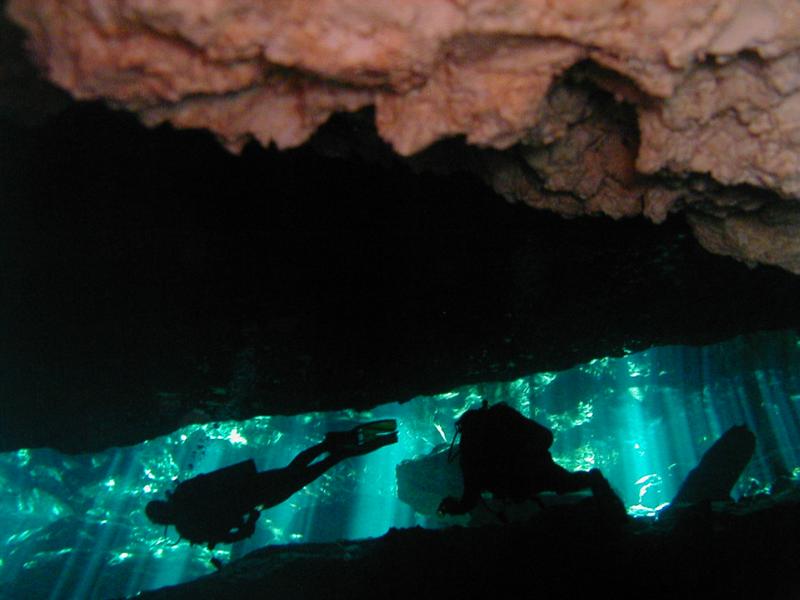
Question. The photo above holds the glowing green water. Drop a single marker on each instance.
(74, 525)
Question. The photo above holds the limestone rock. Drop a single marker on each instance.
(768, 236)
(739, 122)
(711, 88)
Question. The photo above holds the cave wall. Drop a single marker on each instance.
(188, 283)
(710, 92)
(151, 280)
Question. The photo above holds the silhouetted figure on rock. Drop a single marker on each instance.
(507, 454)
(224, 505)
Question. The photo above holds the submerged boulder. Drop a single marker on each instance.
(719, 468)
(564, 551)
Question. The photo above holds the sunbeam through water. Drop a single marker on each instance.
(75, 526)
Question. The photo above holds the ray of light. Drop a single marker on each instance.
(644, 419)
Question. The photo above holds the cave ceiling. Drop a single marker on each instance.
(260, 208)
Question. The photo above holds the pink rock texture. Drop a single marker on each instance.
(711, 87)
(769, 236)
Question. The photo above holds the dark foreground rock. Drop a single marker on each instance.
(161, 281)
(725, 550)
(719, 469)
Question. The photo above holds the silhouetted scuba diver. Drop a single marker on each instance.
(507, 454)
(224, 505)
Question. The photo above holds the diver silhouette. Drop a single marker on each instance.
(224, 505)
(506, 454)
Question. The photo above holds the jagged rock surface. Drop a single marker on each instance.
(743, 550)
(714, 88)
(187, 284)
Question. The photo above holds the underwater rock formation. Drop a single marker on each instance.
(743, 550)
(719, 469)
(423, 481)
(158, 294)
(599, 108)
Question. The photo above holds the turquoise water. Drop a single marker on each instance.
(74, 525)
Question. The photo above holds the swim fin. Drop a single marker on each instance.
(365, 437)
(376, 430)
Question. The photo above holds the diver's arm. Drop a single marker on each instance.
(453, 506)
(245, 530)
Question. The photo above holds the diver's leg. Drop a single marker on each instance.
(340, 448)
(308, 455)
(277, 485)
(303, 469)
(562, 481)
(606, 499)
(364, 438)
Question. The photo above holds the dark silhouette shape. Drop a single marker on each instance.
(719, 469)
(224, 505)
(507, 454)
